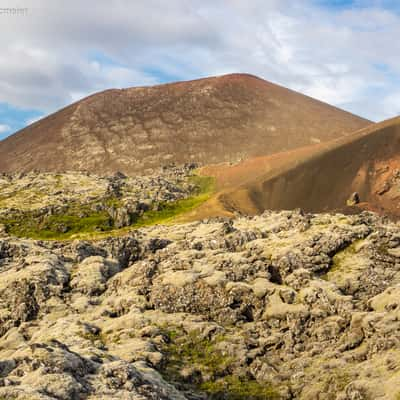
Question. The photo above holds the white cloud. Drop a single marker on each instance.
(33, 120)
(4, 128)
(48, 58)
(391, 104)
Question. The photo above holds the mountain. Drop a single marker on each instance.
(124, 302)
(322, 177)
(211, 120)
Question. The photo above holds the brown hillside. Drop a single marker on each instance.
(212, 120)
(322, 178)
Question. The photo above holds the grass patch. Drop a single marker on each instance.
(217, 378)
(77, 219)
(168, 211)
(188, 349)
(204, 184)
(234, 388)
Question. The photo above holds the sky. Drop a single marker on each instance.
(54, 52)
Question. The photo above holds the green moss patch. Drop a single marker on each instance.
(339, 260)
(188, 349)
(215, 375)
(76, 219)
(168, 211)
(233, 388)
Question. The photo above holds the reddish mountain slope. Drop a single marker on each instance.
(211, 120)
(322, 177)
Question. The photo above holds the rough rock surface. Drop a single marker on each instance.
(284, 305)
(50, 192)
(66, 205)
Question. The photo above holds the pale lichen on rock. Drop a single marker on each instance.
(251, 308)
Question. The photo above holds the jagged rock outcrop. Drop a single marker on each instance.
(50, 205)
(285, 305)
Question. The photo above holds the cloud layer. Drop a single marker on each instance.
(4, 128)
(61, 51)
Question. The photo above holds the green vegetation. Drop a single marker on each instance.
(383, 250)
(233, 388)
(331, 384)
(77, 219)
(204, 184)
(339, 259)
(93, 337)
(169, 210)
(342, 379)
(190, 350)
(335, 383)
(22, 198)
(81, 220)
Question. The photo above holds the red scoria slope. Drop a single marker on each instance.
(212, 120)
(319, 178)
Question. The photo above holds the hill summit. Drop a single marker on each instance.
(211, 120)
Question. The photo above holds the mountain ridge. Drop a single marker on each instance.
(208, 120)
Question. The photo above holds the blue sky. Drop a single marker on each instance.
(13, 119)
(391, 5)
(342, 52)
(339, 4)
